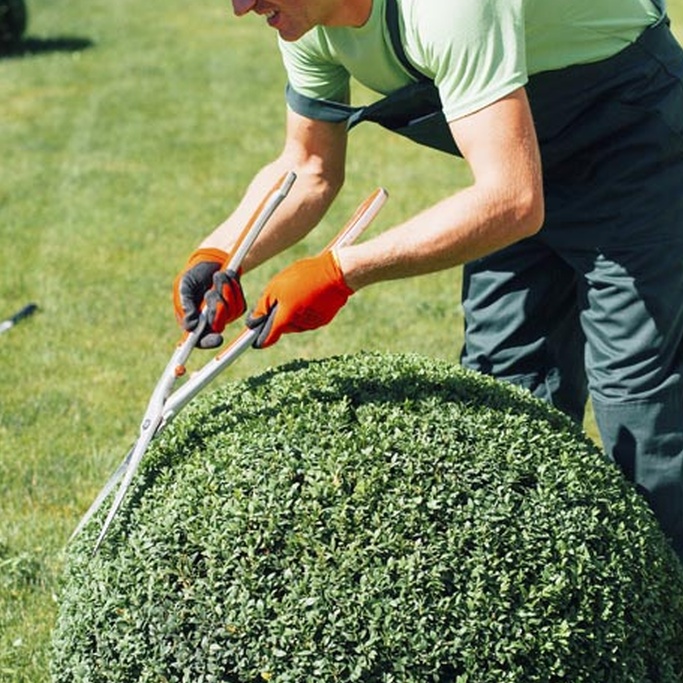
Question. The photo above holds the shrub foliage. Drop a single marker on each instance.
(373, 518)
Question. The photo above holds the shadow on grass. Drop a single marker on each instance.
(27, 47)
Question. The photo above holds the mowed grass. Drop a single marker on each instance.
(127, 131)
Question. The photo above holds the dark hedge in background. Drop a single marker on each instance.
(373, 518)
(13, 20)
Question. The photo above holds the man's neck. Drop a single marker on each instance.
(354, 13)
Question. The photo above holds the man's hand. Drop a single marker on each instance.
(304, 296)
(203, 282)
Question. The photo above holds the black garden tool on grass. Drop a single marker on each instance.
(25, 312)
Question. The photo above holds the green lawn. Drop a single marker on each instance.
(126, 133)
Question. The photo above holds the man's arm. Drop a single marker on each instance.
(503, 205)
(316, 152)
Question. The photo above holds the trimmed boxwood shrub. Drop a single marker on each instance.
(373, 518)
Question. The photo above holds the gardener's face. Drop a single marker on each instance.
(293, 18)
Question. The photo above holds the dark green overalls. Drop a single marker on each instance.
(594, 302)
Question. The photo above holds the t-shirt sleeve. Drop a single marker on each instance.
(311, 70)
(473, 49)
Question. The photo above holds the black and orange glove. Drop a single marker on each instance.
(304, 296)
(203, 284)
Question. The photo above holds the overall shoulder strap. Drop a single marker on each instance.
(664, 17)
(394, 26)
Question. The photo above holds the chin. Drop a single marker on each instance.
(290, 37)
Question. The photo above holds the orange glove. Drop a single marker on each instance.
(204, 283)
(304, 296)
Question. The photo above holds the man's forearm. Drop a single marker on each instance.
(303, 208)
(460, 228)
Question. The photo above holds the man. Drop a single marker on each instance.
(570, 116)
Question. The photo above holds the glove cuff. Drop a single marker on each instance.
(205, 254)
(340, 281)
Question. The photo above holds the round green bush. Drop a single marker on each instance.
(13, 19)
(373, 518)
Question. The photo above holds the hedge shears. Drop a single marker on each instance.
(165, 403)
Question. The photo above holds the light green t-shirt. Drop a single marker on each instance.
(476, 51)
